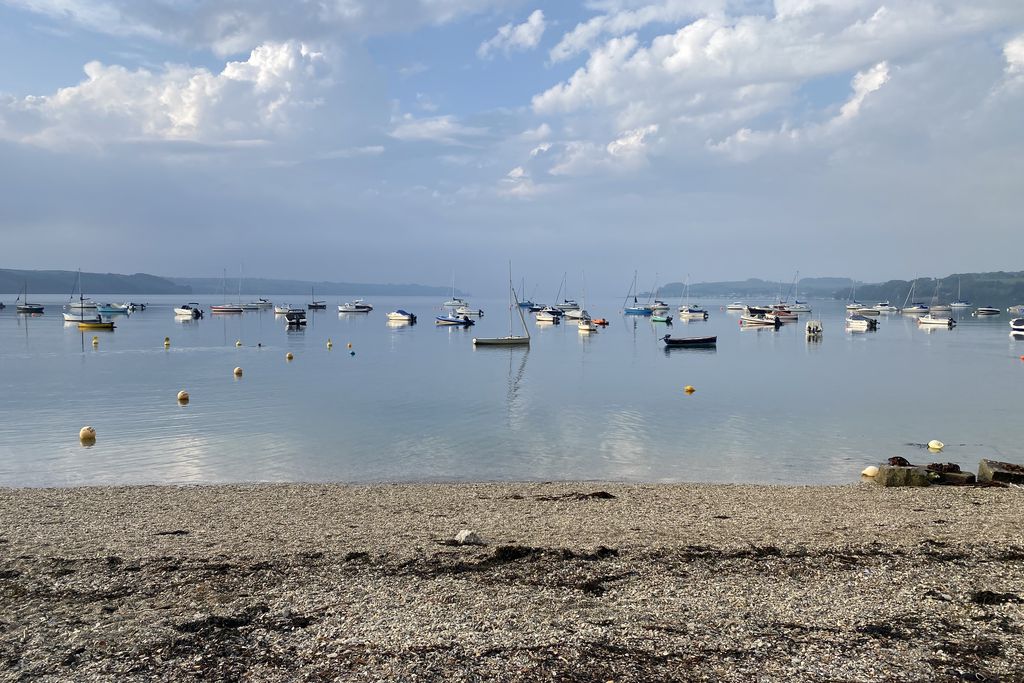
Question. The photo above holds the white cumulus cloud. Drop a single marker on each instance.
(510, 37)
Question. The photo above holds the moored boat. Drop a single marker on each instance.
(402, 315)
(356, 306)
(191, 310)
(111, 309)
(96, 325)
(736, 306)
(856, 321)
(868, 310)
(751, 319)
(466, 310)
(1017, 325)
(658, 318)
(932, 320)
(987, 310)
(452, 319)
(511, 339)
(225, 308)
(548, 317)
(81, 316)
(691, 342)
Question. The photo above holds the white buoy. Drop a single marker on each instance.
(330, 344)
(935, 445)
(167, 342)
(870, 471)
(238, 372)
(87, 434)
(182, 396)
(238, 342)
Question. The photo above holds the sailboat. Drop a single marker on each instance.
(313, 304)
(854, 305)
(79, 312)
(913, 307)
(21, 304)
(798, 306)
(585, 324)
(936, 307)
(637, 308)
(511, 339)
(226, 307)
(455, 301)
(959, 303)
(688, 311)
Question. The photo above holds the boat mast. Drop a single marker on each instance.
(512, 294)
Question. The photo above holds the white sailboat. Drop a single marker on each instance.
(585, 324)
(83, 310)
(689, 311)
(511, 339)
(959, 303)
(913, 308)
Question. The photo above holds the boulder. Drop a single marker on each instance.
(1002, 472)
(957, 478)
(897, 475)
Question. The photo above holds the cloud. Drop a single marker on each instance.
(1013, 52)
(524, 36)
(230, 27)
(265, 96)
(441, 129)
(864, 83)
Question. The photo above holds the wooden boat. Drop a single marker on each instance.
(511, 339)
(93, 325)
(689, 342)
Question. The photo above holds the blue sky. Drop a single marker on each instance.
(396, 141)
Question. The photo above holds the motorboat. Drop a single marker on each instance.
(586, 325)
(885, 307)
(357, 306)
(936, 321)
(749, 319)
(455, 302)
(111, 309)
(401, 315)
(692, 313)
(548, 317)
(452, 319)
(800, 307)
(567, 305)
(689, 342)
(856, 321)
(659, 306)
(295, 317)
(987, 310)
(783, 313)
(814, 328)
(82, 316)
(1017, 325)
(466, 310)
(736, 306)
(251, 306)
(133, 306)
(854, 305)
(552, 310)
(282, 310)
(868, 310)
(225, 308)
(260, 303)
(658, 318)
(191, 310)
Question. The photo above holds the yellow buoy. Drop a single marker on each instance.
(95, 341)
(238, 342)
(870, 471)
(330, 344)
(87, 434)
(350, 345)
(182, 396)
(689, 389)
(167, 342)
(288, 356)
(238, 372)
(935, 445)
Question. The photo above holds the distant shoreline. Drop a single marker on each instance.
(577, 581)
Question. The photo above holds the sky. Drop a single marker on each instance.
(417, 140)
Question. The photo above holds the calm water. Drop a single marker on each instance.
(420, 403)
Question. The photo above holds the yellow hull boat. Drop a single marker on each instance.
(96, 326)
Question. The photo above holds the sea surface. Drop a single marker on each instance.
(420, 403)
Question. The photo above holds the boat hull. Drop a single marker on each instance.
(501, 341)
(689, 342)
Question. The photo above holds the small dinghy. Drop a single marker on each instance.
(452, 319)
(689, 342)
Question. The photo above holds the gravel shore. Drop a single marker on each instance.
(576, 582)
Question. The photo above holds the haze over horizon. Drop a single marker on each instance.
(401, 141)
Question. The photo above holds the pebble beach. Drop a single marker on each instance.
(584, 581)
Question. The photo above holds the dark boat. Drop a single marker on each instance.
(691, 342)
